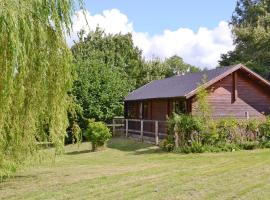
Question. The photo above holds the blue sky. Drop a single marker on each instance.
(153, 16)
(196, 30)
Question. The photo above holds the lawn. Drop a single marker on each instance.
(130, 170)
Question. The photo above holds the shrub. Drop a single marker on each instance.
(227, 130)
(212, 148)
(265, 144)
(229, 147)
(186, 126)
(252, 129)
(196, 147)
(249, 145)
(264, 129)
(209, 133)
(197, 134)
(97, 133)
(167, 145)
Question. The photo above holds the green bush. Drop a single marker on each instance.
(227, 130)
(183, 149)
(97, 133)
(196, 147)
(186, 126)
(197, 135)
(264, 129)
(265, 144)
(167, 145)
(209, 133)
(252, 129)
(229, 147)
(249, 145)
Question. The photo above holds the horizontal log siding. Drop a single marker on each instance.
(251, 98)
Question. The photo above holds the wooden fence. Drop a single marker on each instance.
(149, 130)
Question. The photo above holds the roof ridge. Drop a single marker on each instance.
(178, 85)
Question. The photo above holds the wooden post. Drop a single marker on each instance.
(126, 127)
(113, 126)
(142, 130)
(156, 133)
(176, 137)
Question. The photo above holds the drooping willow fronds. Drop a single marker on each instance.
(35, 75)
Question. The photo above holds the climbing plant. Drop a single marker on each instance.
(35, 76)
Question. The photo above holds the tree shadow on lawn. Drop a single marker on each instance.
(132, 146)
(78, 152)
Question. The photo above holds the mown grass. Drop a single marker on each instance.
(130, 170)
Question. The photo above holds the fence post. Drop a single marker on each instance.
(126, 127)
(176, 137)
(142, 130)
(156, 133)
(113, 121)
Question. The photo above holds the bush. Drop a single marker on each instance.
(264, 129)
(167, 145)
(252, 129)
(97, 133)
(196, 147)
(265, 144)
(197, 135)
(227, 130)
(186, 126)
(209, 134)
(249, 145)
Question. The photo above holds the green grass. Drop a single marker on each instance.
(130, 170)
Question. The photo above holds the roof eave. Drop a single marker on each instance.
(218, 78)
(213, 81)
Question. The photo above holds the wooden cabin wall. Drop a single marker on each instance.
(244, 98)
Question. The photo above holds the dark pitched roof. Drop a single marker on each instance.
(176, 86)
(187, 85)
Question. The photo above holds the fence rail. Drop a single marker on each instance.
(142, 128)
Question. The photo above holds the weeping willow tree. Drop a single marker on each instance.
(35, 76)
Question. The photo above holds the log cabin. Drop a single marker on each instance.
(233, 91)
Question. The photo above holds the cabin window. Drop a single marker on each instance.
(131, 111)
(179, 107)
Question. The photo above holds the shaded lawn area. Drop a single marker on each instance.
(131, 170)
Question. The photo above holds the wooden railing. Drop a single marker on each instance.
(142, 128)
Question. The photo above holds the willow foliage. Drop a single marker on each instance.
(35, 75)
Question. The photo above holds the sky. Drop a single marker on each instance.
(196, 30)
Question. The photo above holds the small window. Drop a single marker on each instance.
(131, 111)
(179, 107)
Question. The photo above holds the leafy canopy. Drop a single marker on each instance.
(108, 68)
(251, 29)
(36, 73)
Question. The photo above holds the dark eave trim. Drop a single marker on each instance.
(230, 71)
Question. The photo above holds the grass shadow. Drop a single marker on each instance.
(130, 145)
(78, 152)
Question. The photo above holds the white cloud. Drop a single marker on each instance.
(201, 48)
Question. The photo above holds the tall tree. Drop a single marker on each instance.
(36, 73)
(108, 67)
(251, 29)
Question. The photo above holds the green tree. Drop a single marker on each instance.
(108, 67)
(153, 69)
(175, 65)
(251, 29)
(36, 73)
(156, 68)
